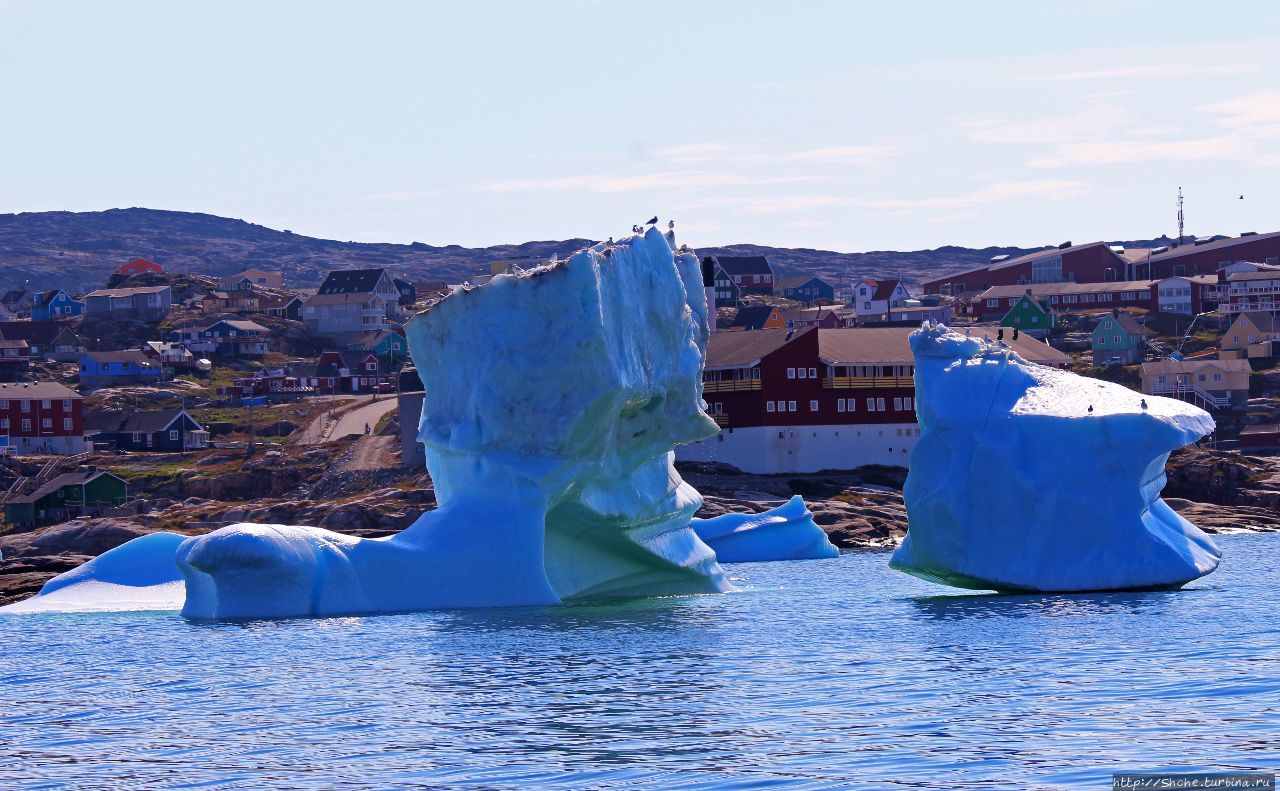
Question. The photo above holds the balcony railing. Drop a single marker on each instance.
(730, 385)
(866, 382)
(721, 420)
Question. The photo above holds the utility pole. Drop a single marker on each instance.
(1179, 215)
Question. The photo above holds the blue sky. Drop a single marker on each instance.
(849, 126)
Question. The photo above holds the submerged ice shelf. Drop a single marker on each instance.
(787, 532)
(1030, 478)
(556, 396)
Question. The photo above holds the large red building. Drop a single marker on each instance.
(816, 399)
(41, 417)
(1083, 263)
(1206, 258)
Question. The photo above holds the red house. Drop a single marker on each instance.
(137, 266)
(1207, 256)
(41, 417)
(1082, 263)
(816, 399)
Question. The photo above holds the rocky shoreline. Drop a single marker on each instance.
(1219, 492)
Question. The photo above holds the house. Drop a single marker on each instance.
(918, 314)
(805, 288)
(236, 301)
(390, 346)
(408, 292)
(45, 339)
(287, 306)
(1095, 262)
(56, 304)
(725, 293)
(816, 399)
(98, 369)
(233, 338)
(1118, 338)
(1189, 294)
(352, 301)
(757, 317)
(137, 266)
(752, 274)
(824, 317)
(1251, 335)
(146, 303)
(1029, 315)
(1211, 384)
(15, 357)
(1262, 437)
(1249, 291)
(1206, 256)
(995, 302)
(67, 496)
(873, 299)
(277, 383)
(169, 355)
(42, 417)
(251, 278)
(348, 372)
(167, 430)
(17, 302)
(6, 314)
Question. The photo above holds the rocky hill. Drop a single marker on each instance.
(78, 250)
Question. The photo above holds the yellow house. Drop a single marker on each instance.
(758, 317)
(1211, 383)
(1252, 333)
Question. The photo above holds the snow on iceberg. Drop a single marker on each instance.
(1030, 478)
(138, 575)
(787, 532)
(554, 399)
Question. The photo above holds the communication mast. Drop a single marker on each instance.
(1179, 215)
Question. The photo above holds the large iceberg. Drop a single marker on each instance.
(787, 532)
(1030, 478)
(554, 399)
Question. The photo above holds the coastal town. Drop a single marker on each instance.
(170, 399)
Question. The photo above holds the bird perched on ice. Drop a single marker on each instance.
(653, 220)
(1091, 409)
(1144, 403)
(671, 225)
(636, 229)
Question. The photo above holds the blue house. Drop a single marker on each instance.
(109, 368)
(56, 304)
(806, 288)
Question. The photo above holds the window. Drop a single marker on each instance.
(897, 405)
(4, 404)
(769, 406)
(813, 373)
(1115, 339)
(46, 422)
(66, 424)
(906, 403)
(1217, 377)
(26, 406)
(791, 373)
(26, 424)
(66, 405)
(46, 403)
(840, 402)
(1235, 338)
(1160, 379)
(173, 435)
(993, 303)
(802, 372)
(1200, 377)
(871, 405)
(879, 404)
(137, 436)
(4, 423)
(813, 406)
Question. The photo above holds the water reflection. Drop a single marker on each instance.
(1043, 605)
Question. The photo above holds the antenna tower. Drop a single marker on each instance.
(1179, 215)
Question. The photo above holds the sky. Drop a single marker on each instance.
(849, 126)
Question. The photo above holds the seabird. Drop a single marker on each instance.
(671, 224)
(1144, 403)
(653, 221)
(1091, 409)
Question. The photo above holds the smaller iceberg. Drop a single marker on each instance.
(787, 532)
(140, 575)
(1028, 478)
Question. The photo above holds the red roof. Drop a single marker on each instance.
(885, 288)
(137, 266)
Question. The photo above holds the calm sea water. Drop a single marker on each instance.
(818, 673)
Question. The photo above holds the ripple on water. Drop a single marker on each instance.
(814, 674)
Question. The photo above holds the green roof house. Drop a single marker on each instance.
(65, 497)
(1030, 316)
(1118, 339)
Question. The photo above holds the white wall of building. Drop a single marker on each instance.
(777, 449)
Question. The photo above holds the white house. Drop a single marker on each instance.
(874, 298)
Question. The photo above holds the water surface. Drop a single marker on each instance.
(819, 673)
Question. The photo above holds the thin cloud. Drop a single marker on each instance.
(645, 181)
(1044, 189)
(845, 155)
(1156, 71)
(1095, 121)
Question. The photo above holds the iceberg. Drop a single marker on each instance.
(1029, 478)
(787, 532)
(554, 399)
